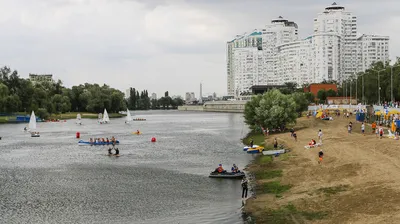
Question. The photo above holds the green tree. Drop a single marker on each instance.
(331, 93)
(272, 110)
(321, 96)
(301, 102)
(310, 97)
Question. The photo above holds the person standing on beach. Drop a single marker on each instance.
(244, 188)
(380, 132)
(295, 136)
(320, 136)
(275, 143)
(251, 143)
(363, 128)
(320, 156)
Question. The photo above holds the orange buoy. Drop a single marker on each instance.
(153, 139)
(78, 134)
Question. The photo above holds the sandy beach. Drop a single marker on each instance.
(357, 182)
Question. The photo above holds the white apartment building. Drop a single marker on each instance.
(153, 96)
(293, 61)
(326, 58)
(335, 20)
(246, 68)
(371, 49)
(275, 54)
(279, 32)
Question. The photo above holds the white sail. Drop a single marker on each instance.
(32, 122)
(105, 116)
(78, 119)
(128, 116)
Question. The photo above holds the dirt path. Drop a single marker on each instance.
(367, 167)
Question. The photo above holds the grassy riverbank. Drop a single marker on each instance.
(357, 182)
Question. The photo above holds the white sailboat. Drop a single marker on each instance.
(106, 119)
(32, 125)
(78, 119)
(128, 116)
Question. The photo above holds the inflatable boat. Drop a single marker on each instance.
(82, 143)
(226, 175)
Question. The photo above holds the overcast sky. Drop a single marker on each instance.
(157, 45)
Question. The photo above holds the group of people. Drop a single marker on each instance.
(107, 141)
(220, 169)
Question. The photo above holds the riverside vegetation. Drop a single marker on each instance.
(50, 99)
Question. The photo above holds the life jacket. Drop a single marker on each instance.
(220, 169)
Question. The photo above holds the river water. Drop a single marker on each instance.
(53, 180)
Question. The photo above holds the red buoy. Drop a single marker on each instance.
(153, 139)
(78, 134)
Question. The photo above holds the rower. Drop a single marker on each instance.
(117, 152)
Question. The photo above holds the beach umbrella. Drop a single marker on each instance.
(378, 113)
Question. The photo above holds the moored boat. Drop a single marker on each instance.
(259, 149)
(228, 175)
(274, 152)
(248, 147)
(83, 143)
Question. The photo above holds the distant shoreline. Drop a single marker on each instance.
(65, 116)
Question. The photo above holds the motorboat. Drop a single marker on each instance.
(83, 143)
(259, 149)
(228, 175)
(248, 147)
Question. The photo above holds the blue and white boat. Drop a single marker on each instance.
(248, 147)
(83, 143)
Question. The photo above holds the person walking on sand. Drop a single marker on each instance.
(320, 156)
(295, 136)
(380, 132)
(244, 188)
(320, 136)
(373, 127)
(363, 128)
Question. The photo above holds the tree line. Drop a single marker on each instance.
(142, 101)
(46, 97)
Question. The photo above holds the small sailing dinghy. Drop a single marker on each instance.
(128, 116)
(106, 119)
(32, 125)
(79, 119)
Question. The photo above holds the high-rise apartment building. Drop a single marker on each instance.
(275, 55)
(335, 22)
(280, 31)
(371, 49)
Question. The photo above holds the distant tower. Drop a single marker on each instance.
(201, 93)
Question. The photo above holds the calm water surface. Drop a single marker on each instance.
(53, 180)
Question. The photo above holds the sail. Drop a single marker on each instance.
(32, 121)
(78, 117)
(128, 116)
(105, 116)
